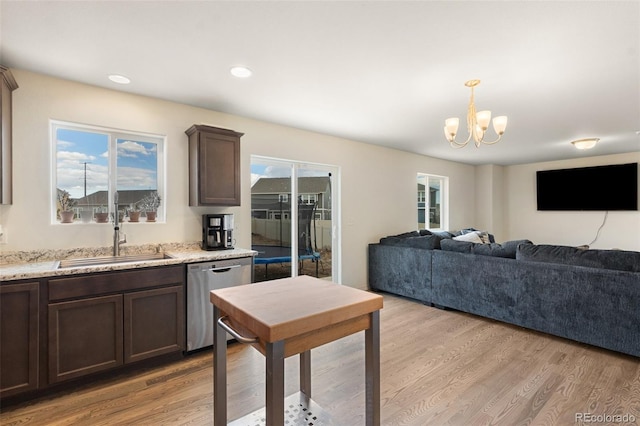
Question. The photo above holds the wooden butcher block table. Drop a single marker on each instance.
(286, 317)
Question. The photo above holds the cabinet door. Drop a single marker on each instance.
(85, 336)
(154, 323)
(7, 85)
(214, 166)
(18, 338)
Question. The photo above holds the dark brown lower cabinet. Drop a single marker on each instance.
(102, 321)
(85, 336)
(154, 323)
(19, 319)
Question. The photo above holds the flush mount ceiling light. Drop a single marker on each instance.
(241, 72)
(120, 79)
(477, 124)
(587, 143)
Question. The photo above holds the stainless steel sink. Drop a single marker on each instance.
(108, 260)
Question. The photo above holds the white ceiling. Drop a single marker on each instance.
(381, 72)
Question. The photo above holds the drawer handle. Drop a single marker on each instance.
(240, 338)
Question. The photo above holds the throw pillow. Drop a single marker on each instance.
(472, 237)
(484, 235)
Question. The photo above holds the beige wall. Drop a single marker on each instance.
(621, 230)
(489, 207)
(378, 185)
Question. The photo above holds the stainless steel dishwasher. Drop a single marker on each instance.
(201, 279)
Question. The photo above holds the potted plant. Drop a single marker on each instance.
(150, 205)
(134, 213)
(65, 203)
(102, 216)
(86, 215)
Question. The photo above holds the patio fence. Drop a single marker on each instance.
(280, 230)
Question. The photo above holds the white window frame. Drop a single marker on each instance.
(444, 201)
(113, 136)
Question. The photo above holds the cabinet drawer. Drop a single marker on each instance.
(113, 282)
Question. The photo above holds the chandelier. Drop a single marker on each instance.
(477, 124)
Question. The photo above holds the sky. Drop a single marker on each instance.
(136, 162)
(259, 170)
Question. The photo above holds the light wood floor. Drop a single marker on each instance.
(437, 367)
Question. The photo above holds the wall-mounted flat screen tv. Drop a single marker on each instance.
(612, 187)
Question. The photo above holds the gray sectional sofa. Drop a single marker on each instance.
(590, 296)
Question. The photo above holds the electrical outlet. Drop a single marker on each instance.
(3, 235)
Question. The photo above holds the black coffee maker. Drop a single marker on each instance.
(217, 231)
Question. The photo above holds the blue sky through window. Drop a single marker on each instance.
(83, 159)
(137, 165)
(75, 149)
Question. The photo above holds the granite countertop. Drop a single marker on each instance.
(42, 266)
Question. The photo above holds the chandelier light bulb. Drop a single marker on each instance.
(500, 124)
(483, 118)
(451, 126)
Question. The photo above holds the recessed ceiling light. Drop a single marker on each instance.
(120, 79)
(241, 72)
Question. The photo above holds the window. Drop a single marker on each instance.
(309, 198)
(432, 202)
(92, 163)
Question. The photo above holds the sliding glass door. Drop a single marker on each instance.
(293, 206)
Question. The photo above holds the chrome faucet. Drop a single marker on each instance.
(116, 228)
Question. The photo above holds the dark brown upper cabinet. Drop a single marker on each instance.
(214, 166)
(8, 85)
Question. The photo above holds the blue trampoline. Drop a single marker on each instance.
(268, 254)
(278, 254)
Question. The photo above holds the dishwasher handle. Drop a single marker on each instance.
(221, 269)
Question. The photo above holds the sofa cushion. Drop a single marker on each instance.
(443, 234)
(618, 260)
(406, 234)
(456, 245)
(427, 242)
(506, 249)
